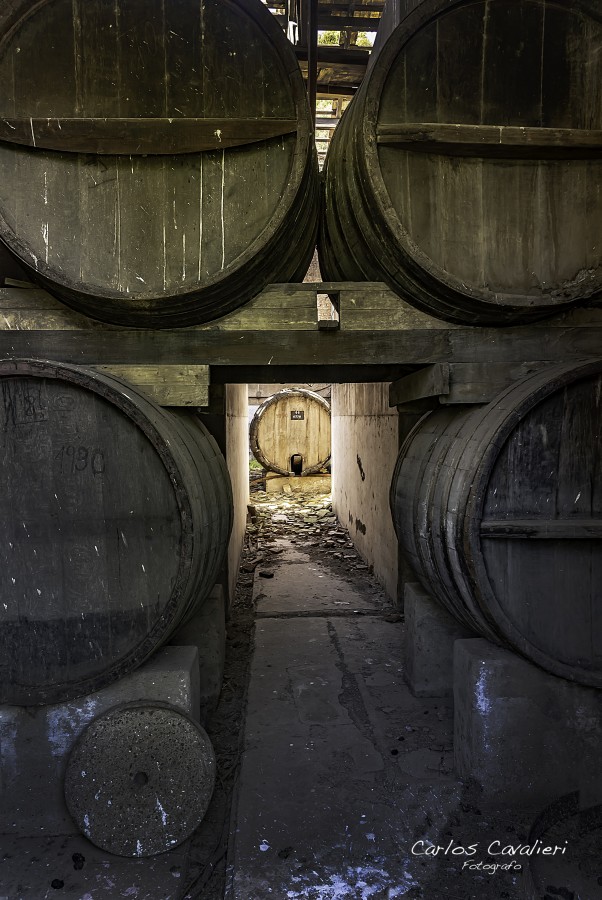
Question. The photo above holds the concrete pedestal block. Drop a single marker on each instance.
(206, 631)
(35, 742)
(525, 736)
(429, 644)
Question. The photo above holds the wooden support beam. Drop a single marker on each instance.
(280, 328)
(502, 141)
(167, 385)
(374, 6)
(330, 55)
(141, 137)
(328, 22)
(432, 381)
(312, 57)
(453, 383)
(328, 90)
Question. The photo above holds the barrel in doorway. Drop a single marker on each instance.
(114, 522)
(290, 433)
(466, 172)
(156, 158)
(499, 511)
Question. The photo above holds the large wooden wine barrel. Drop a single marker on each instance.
(156, 158)
(114, 520)
(466, 172)
(290, 432)
(499, 511)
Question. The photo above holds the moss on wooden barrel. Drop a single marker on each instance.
(114, 522)
(157, 160)
(290, 432)
(499, 511)
(466, 171)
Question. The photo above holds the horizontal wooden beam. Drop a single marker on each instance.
(167, 385)
(546, 529)
(280, 328)
(329, 55)
(328, 90)
(454, 383)
(140, 137)
(328, 22)
(503, 141)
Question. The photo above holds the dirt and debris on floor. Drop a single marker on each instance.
(342, 769)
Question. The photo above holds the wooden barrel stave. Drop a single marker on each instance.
(115, 521)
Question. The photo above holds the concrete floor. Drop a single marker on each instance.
(343, 769)
(70, 866)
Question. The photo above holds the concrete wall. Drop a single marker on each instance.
(365, 444)
(237, 456)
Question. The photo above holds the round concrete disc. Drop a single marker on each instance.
(140, 778)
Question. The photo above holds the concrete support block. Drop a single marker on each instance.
(524, 735)
(206, 631)
(429, 644)
(35, 742)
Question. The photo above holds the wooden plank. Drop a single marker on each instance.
(279, 328)
(501, 141)
(141, 136)
(328, 22)
(552, 529)
(312, 57)
(428, 382)
(331, 55)
(34, 309)
(167, 385)
(243, 348)
(481, 382)
(456, 383)
(17, 283)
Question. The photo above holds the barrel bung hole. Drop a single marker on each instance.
(296, 463)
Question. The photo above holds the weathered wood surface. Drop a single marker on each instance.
(140, 136)
(155, 240)
(292, 423)
(474, 239)
(500, 141)
(114, 520)
(166, 385)
(279, 329)
(499, 510)
(548, 529)
(457, 383)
